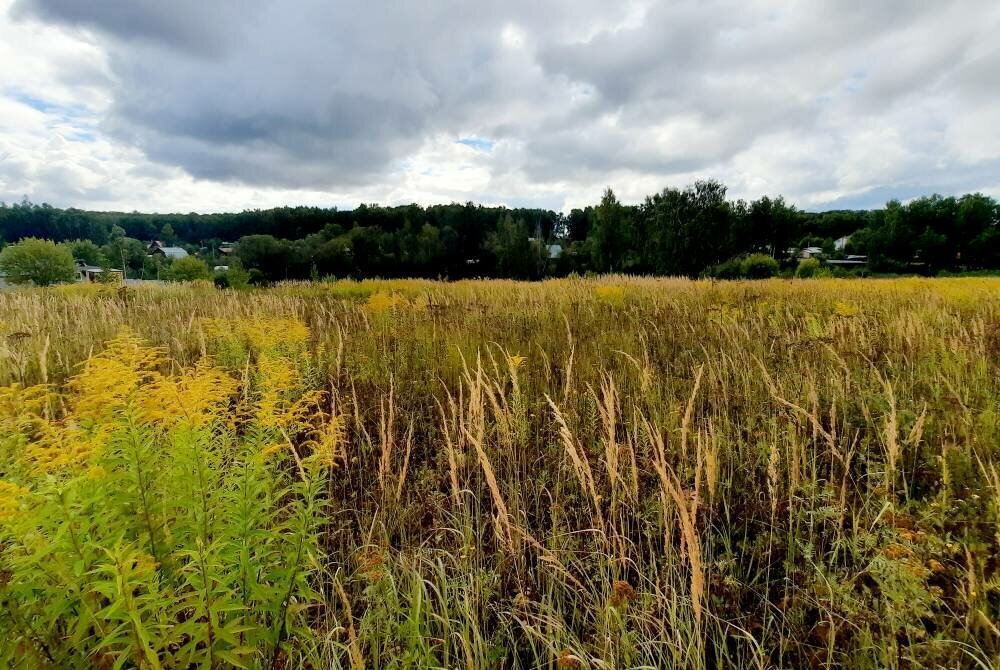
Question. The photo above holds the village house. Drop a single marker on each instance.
(86, 273)
(852, 260)
(157, 248)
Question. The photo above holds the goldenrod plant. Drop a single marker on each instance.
(149, 525)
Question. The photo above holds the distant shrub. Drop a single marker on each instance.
(38, 262)
(968, 273)
(233, 277)
(731, 269)
(758, 266)
(188, 268)
(808, 267)
(256, 278)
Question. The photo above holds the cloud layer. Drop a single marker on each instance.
(192, 105)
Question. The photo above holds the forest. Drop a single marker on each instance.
(693, 231)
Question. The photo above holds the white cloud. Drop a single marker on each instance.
(133, 104)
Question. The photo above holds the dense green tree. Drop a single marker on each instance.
(334, 257)
(188, 268)
(685, 231)
(266, 253)
(39, 262)
(511, 248)
(429, 249)
(977, 226)
(772, 226)
(87, 251)
(127, 253)
(578, 224)
(167, 234)
(611, 236)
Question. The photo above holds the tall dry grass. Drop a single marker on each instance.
(592, 473)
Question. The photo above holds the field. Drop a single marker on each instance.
(578, 473)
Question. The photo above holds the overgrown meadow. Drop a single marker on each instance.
(579, 473)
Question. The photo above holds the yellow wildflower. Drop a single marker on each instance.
(196, 395)
(10, 499)
(845, 309)
(66, 444)
(272, 449)
(261, 334)
(278, 382)
(515, 361)
(145, 564)
(380, 303)
(109, 378)
(327, 445)
(611, 295)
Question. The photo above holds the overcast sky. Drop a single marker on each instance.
(210, 105)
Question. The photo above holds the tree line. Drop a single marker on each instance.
(691, 231)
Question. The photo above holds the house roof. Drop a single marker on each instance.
(173, 252)
(94, 268)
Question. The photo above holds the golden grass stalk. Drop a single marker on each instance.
(406, 461)
(581, 464)
(687, 520)
(607, 409)
(447, 427)
(890, 434)
(689, 411)
(386, 434)
(354, 649)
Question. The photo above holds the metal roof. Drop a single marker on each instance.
(173, 252)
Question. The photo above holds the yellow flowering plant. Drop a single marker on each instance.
(156, 536)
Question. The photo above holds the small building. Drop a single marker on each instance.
(220, 268)
(851, 260)
(92, 274)
(157, 248)
(810, 252)
(227, 248)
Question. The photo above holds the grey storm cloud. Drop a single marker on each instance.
(317, 94)
(188, 24)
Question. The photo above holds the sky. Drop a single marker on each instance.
(225, 105)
